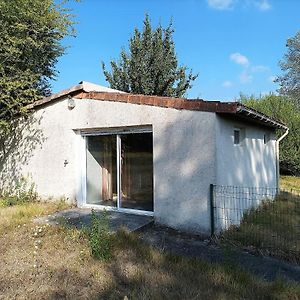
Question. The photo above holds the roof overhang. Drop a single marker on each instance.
(233, 110)
(259, 117)
(244, 113)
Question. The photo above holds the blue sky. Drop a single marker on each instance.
(234, 45)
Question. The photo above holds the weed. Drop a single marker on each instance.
(23, 192)
(100, 240)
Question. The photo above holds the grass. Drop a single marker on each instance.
(274, 227)
(55, 262)
(290, 182)
(18, 215)
(58, 262)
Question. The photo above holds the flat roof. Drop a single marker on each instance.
(85, 90)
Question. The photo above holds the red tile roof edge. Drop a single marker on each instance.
(229, 108)
(166, 102)
(71, 91)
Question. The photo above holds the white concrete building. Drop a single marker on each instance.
(153, 155)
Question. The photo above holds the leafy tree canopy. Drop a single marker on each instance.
(151, 66)
(30, 36)
(284, 109)
(290, 81)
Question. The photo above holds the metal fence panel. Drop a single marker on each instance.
(265, 219)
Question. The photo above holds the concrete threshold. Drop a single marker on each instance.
(79, 217)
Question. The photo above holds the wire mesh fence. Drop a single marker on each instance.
(266, 220)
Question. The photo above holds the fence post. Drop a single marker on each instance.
(212, 210)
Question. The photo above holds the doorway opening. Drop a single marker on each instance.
(119, 171)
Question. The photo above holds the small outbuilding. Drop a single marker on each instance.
(102, 148)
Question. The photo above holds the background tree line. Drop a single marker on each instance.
(282, 108)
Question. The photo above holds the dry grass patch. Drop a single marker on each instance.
(290, 182)
(60, 266)
(18, 215)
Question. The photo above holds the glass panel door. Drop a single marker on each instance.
(101, 164)
(119, 170)
(137, 171)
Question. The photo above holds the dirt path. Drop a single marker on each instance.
(182, 244)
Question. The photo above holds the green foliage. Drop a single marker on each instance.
(284, 109)
(151, 66)
(23, 192)
(30, 36)
(290, 81)
(100, 240)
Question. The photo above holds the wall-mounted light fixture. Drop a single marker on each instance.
(71, 103)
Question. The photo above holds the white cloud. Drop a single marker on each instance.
(259, 68)
(272, 78)
(263, 5)
(227, 84)
(240, 59)
(245, 77)
(221, 4)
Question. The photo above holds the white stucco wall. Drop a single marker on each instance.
(245, 173)
(251, 164)
(191, 150)
(183, 153)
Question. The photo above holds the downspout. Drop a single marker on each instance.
(277, 155)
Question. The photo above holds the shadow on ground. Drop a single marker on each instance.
(79, 218)
(182, 244)
(178, 243)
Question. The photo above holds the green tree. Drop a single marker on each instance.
(30, 44)
(290, 80)
(151, 66)
(284, 109)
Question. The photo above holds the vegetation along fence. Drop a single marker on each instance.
(264, 220)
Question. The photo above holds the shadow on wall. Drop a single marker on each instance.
(248, 176)
(250, 165)
(184, 157)
(16, 148)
